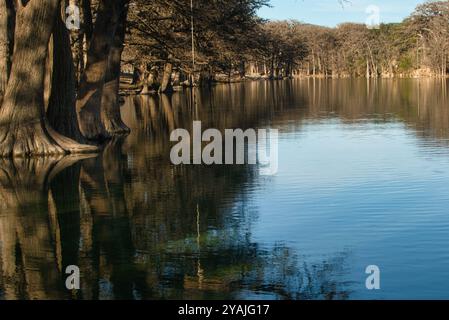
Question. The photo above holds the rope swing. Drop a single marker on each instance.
(192, 76)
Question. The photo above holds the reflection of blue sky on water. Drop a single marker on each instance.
(370, 190)
(363, 179)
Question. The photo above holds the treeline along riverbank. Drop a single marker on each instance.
(61, 60)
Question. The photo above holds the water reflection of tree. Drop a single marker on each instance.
(29, 229)
(139, 227)
(189, 257)
(102, 186)
(420, 103)
(80, 217)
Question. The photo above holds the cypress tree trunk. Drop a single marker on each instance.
(90, 91)
(166, 86)
(85, 34)
(7, 16)
(87, 16)
(367, 69)
(24, 129)
(4, 49)
(48, 73)
(145, 84)
(314, 64)
(61, 111)
(110, 105)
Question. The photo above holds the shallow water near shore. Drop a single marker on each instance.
(363, 180)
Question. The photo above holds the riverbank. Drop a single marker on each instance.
(127, 87)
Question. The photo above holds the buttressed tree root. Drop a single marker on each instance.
(24, 129)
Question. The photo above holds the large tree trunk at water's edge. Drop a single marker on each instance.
(110, 105)
(166, 86)
(23, 126)
(61, 111)
(7, 16)
(90, 91)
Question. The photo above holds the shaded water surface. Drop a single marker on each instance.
(363, 180)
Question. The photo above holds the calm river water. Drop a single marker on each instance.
(363, 180)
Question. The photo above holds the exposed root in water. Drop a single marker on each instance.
(116, 127)
(91, 126)
(37, 139)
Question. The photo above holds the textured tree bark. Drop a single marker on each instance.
(77, 39)
(24, 128)
(145, 82)
(166, 86)
(61, 110)
(48, 73)
(7, 18)
(110, 105)
(90, 91)
(4, 48)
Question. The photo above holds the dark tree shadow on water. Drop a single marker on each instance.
(30, 233)
(112, 252)
(139, 227)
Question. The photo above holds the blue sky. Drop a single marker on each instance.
(331, 12)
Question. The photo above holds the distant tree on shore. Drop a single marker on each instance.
(59, 89)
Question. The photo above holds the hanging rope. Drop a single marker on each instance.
(192, 77)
